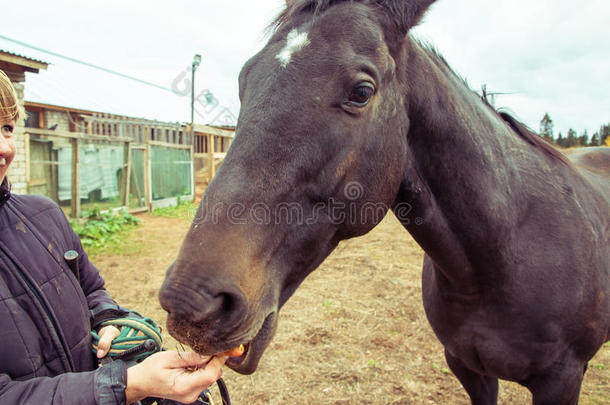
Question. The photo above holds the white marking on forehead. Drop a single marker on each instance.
(295, 42)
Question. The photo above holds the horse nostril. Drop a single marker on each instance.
(233, 307)
(206, 303)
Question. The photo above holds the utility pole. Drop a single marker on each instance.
(196, 63)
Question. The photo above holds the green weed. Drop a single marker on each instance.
(103, 229)
(184, 209)
(597, 366)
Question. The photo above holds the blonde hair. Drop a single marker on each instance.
(9, 105)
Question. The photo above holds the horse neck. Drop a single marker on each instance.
(459, 177)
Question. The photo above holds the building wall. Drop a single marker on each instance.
(59, 118)
(17, 169)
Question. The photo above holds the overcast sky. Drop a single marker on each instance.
(549, 55)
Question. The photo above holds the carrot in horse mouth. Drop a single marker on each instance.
(235, 352)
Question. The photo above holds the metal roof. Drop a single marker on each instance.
(23, 56)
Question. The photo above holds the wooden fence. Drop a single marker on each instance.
(138, 130)
(210, 147)
(206, 146)
(120, 132)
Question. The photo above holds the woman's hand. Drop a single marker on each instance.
(180, 376)
(107, 334)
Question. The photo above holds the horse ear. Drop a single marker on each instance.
(405, 14)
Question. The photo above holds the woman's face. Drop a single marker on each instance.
(7, 145)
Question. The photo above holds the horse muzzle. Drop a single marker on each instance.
(211, 315)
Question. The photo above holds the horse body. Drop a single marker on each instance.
(516, 278)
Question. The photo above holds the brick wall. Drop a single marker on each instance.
(17, 170)
(59, 118)
(16, 173)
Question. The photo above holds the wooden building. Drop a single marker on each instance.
(15, 66)
(84, 159)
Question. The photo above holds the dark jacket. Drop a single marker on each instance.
(45, 315)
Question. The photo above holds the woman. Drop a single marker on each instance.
(46, 315)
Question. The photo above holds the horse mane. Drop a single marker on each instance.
(531, 137)
(519, 128)
(296, 7)
(404, 13)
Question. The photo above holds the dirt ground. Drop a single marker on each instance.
(354, 333)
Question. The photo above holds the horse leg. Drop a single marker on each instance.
(560, 385)
(481, 389)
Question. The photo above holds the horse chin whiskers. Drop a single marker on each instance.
(208, 340)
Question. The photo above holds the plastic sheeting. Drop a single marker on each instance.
(99, 169)
(170, 172)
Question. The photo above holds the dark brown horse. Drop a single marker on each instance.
(344, 116)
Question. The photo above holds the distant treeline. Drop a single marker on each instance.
(600, 137)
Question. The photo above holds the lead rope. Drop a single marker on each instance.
(138, 339)
(208, 395)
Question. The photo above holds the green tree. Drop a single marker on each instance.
(546, 127)
(571, 139)
(595, 140)
(583, 139)
(561, 141)
(604, 133)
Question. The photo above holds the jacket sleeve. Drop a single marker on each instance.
(104, 386)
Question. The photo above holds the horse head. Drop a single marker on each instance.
(318, 157)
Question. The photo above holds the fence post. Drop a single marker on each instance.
(26, 140)
(147, 177)
(192, 149)
(75, 203)
(127, 174)
(212, 166)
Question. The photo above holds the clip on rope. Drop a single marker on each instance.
(138, 339)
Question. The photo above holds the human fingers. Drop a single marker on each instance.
(208, 374)
(161, 375)
(194, 382)
(187, 359)
(107, 335)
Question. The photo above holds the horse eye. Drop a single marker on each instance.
(361, 94)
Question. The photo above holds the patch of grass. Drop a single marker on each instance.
(443, 370)
(328, 304)
(598, 366)
(353, 387)
(184, 209)
(104, 231)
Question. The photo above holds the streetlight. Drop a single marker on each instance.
(196, 63)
